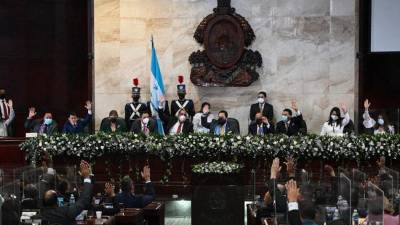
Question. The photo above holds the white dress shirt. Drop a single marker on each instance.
(174, 128)
(335, 129)
(4, 124)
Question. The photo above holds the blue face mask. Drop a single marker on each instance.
(284, 118)
(48, 121)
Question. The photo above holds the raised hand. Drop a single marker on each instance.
(109, 189)
(343, 107)
(381, 162)
(146, 173)
(275, 168)
(367, 104)
(290, 166)
(32, 112)
(329, 169)
(294, 105)
(85, 169)
(293, 192)
(88, 105)
(10, 103)
(265, 120)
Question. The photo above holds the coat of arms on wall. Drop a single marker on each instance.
(225, 60)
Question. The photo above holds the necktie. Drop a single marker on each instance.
(260, 130)
(5, 108)
(179, 130)
(145, 129)
(222, 131)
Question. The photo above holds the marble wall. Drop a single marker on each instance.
(308, 48)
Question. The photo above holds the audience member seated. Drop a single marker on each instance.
(75, 126)
(299, 213)
(261, 126)
(144, 125)
(221, 126)
(10, 211)
(197, 126)
(31, 197)
(262, 106)
(375, 127)
(336, 123)
(291, 125)
(178, 124)
(113, 123)
(65, 215)
(45, 125)
(109, 202)
(128, 199)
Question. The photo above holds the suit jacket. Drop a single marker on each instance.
(268, 111)
(129, 111)
(137, 201)
(172, 120)
(189, 107)
(34, 126)
(294, 217)
(253, 129)
(296, 126)
(231, 126)
(80, 125)
(105, 125)
(66, 215)
(137, 126)
(164, 111)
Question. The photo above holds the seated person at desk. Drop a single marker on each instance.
(220, 126)
(75, 126)
(130, 200)
(65, 215)
(291, 125)
(45, 125)
(113, 123)
(7, 115)
(144, 125)
(109, 201)
(177, 124)
(261, 126)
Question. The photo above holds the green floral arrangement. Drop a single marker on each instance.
(210, 147)
(217, 168)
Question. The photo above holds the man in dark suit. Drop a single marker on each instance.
(300, 213)
(113, 123)
(182, 102)
(262, 106)
(144, 125)
(134, 109)
(178, 124)
(46, 125)
(75, 126)
(162, 108)
(220, 126)
(65, 215)
(129, 199)
(261, 126)
(291, 125)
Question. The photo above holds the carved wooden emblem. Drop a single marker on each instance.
(225, 60)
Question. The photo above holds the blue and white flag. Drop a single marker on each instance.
(157, 88)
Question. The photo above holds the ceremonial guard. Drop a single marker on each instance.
(182, 102)
(135, 109)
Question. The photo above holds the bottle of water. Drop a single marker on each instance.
(356, 217)
(72, 199)
(336, 215)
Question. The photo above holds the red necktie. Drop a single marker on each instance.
(5, 107)
(179, 130)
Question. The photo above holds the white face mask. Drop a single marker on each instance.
(182, 118)
(260, 100)
(334, 117)
(381, 122)
(146, 120)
